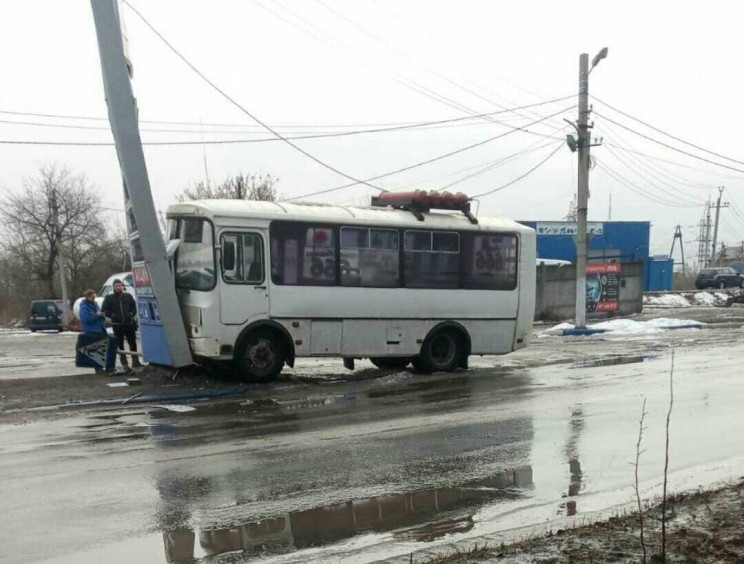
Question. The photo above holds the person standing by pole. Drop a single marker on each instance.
(93, 324)
(121, 308)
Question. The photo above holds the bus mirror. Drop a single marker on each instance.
(228, 255)
(171, 247)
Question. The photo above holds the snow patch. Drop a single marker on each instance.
(630, 327)
(667, 300)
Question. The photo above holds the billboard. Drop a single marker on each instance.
(603, 286)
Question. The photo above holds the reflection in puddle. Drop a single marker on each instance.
(417, 516)
(612, 361)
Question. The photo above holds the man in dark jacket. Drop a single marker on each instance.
(121, 308)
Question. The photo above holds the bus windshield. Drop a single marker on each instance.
(195, 259)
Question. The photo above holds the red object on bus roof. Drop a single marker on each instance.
(423, 200)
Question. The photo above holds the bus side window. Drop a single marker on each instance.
(431, 259)
(490, 261)
(369, 257)
(242, 258)
(303, 254)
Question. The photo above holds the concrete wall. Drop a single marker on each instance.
(556, 292)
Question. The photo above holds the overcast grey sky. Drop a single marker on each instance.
(314, 66)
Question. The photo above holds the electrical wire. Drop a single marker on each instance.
(276, 126)
(675, 163)
(419, 125)
(637, 190)
(687, 199)
(698, 147)
(239, 106)
(657, 169)
(533, 169)
(495, 164)
(405, 55)
(428, 161)
(334, 43)
(667, 145)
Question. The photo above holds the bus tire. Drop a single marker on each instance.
(261, 356)
(390, 362)
(442, 351)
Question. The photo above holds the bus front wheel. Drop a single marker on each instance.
(441, 352)
(261, 357)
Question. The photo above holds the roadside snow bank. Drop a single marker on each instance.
(690, 299)
(630, 327)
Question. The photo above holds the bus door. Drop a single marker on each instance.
(244, 287)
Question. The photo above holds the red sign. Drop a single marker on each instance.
(612, 305)
(141, 277)
(604, 268)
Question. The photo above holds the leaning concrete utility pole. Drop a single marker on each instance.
(164, 339)
(584, 144)
(719, 205)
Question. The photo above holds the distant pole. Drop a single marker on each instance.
(61, 263)
(678, 235)
(609, 213)
(715, 228)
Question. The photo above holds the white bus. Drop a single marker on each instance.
(262, 283)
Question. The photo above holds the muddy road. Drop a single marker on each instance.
(327, 466)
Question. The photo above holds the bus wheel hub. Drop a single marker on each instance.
(261, 354)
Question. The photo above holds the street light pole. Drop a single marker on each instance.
(583, 190)
(584, 144)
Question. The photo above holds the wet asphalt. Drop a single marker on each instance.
(329, 467)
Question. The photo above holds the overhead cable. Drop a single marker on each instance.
(429, 161)
(411, 126)
(533, 169)
(698, 147)
(241, 107)
(667, 145)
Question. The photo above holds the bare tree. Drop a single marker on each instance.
(239, 187)
(54, 210)
(636, 484)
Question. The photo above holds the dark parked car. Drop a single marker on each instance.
(46, 315)
(723, 277)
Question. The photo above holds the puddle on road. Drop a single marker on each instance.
(615, 360)
(421, 516)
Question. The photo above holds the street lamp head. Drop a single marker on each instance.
(599, 56)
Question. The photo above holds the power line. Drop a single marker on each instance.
(239, 106)
(419, 125)
(378, 39)
(699, 148)
(222, 124)
(639, 191)
(689, 199)
(429, 161)
(675, 163)
(331, 41)
(646, 161)
(533, 169)
(673, 148)
(495, 164)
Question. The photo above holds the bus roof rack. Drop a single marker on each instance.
(419, 202)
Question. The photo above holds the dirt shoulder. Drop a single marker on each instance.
(702, 527)
(20, 399)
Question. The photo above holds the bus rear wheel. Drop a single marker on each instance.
(441, 352)
(261, 358)
(390, 362)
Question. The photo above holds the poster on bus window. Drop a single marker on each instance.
(603, 286)
(491, 253)
(319, 256)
